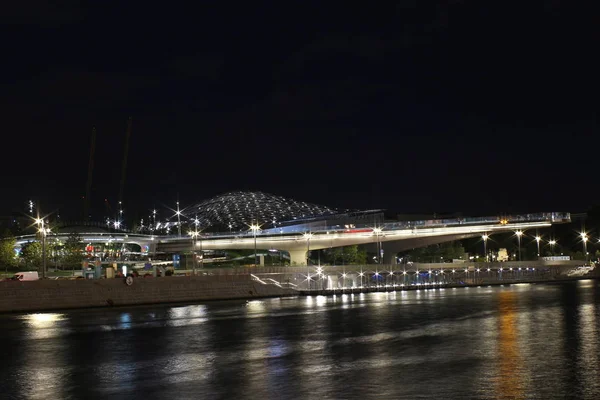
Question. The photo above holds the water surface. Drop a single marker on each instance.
(510, 342)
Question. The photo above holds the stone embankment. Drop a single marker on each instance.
(68, 294)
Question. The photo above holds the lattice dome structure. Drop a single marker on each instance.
(236, 211)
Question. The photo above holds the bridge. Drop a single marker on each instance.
(299, 239)
(398, 236)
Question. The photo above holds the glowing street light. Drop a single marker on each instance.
(584, 239)
(255, 228)
(308, 236)
(377, 232)
(194, 235)
(538, 240)
(519, 234)
(178, 213)
(552, 243)
(485, 237)
(43, 231)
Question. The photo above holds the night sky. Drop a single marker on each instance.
(410, 106)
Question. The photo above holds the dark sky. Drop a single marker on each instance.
(412, 106)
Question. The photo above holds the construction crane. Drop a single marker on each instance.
(88, 189)
(124, 167)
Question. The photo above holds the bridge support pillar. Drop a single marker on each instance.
(297, 257)
(389, 257)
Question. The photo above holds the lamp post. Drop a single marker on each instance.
(377, 232)
(42, 229)
(584, 239)
(552, 243)
(538, 239)
(485, 237)
(519, 234)
(194, 235)
(255, 228)
(178, 213)
(308, 236)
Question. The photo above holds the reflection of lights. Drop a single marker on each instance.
(43, 320)
(256, 305)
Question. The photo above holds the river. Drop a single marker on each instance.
(504, 342)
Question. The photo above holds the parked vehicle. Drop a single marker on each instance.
(26, 276)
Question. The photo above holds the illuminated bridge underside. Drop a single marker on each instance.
(297, 245)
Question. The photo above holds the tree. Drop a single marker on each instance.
(345, 255)
(7, 250)
(438, 252)
(73, 249)
(32, 254)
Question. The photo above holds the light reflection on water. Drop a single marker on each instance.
(511, 342)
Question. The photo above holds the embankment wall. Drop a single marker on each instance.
(64, 294)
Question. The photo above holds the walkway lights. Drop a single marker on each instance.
(519, 234)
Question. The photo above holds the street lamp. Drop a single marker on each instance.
(538, 239)
(552, 243)
(254, 228)
(44, 231)
(485, 238)
(584, 239)
(308, 236)
(519, 234)
(194, 235)
(178, 213)
(377, 232)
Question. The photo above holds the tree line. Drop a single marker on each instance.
(61, 254)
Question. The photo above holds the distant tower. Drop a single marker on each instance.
(88, 189)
